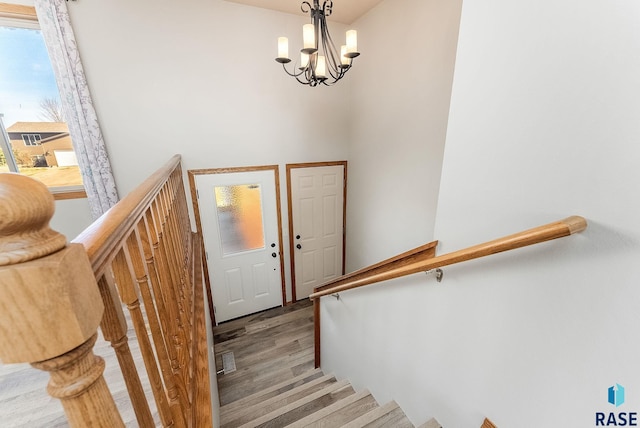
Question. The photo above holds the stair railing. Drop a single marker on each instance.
(54, 295)
(406, 264)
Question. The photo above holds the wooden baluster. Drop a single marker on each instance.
(136, 265)
(172, 288)
(172, 240)
(178, 242)
(201, 376)
(175, 242)
(160, 250)
(114, 330)
(182, 244)
(50, 306)
(162, 300)
(162, 288)
(167, 239)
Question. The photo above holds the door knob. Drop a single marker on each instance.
(273, 244)
(298, 246)
(297, 236)
(273, 255)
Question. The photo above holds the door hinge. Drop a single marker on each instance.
(206, 254)
(215, 310)
(197, 194)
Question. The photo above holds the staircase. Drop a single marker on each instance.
(274, 383)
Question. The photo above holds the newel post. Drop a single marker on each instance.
(50, 306)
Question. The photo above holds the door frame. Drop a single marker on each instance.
(289, 167)
(192, 173)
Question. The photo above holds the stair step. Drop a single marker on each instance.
(431, 423)
(265, 394)
(246, 414)
(339, 413)
(303, 407)
(389, 415)
(251, 379)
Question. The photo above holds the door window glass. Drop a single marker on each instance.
(239, 209)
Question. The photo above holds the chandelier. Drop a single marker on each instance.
(319, 59)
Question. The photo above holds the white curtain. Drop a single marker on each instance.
(77, 105)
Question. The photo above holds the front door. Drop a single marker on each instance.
(239, 217)
(316, 198)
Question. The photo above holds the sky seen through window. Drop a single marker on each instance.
(26, 76)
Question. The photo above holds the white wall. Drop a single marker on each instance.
(199, 78)
(71, 217)
(401, 92)
(400, 108)
(543, 124)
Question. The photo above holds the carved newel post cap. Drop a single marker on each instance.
(49, 299)
(26, 207)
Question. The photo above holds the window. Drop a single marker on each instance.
(34, 139)
(31, 139)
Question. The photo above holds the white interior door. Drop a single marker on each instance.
(239, 218)
(317, 211)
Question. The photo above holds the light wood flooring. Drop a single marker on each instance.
(269, 347)
(24, 401)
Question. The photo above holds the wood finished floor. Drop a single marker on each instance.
(24, 401)
(269, 347)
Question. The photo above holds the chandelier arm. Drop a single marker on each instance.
(331, 54)
(305, 75)
(327, 7)
(294, 74)
(302, 81)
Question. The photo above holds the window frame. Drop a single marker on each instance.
(22, 16)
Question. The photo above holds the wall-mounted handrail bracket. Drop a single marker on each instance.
(439, 273)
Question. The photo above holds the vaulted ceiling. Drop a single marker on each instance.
(344, 11)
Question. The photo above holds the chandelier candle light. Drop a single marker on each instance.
(319, 59)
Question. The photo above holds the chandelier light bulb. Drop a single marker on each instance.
(309, 38)
(283, 47)
(352, 44)
(304, 60)
(321, 67)
(344, 60)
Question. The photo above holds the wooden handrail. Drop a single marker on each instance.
(422, 259)
(102, 239)
(536, 235)
(423, 252)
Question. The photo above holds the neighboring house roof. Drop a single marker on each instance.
(38, 127)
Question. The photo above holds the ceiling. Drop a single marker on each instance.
(344, 11)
